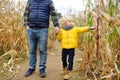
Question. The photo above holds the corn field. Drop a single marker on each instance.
(12, 33)
(101, 48)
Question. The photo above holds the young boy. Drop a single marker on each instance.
(68, 36)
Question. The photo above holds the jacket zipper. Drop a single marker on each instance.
(37, 11)
(67, 39)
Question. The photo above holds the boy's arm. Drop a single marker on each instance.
(26, 15)
(59, 36)
(53, 14)
(85, 29)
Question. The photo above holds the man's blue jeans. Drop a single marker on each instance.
(37, 37)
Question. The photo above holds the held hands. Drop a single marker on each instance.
(27, 27)
(57, 30)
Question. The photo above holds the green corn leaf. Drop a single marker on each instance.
(118, 30)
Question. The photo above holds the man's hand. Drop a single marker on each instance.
(57, 30)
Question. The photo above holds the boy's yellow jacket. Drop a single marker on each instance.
(69, 38)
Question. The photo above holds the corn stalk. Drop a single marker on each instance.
(96, 19)
(108, 35)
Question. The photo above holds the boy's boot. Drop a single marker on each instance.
(64, 71)
(68, 75)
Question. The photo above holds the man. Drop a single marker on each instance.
(36, 21)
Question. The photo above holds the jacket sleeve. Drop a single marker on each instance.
(59, 36)
(53, 14)
(26, 15)
(82, 29)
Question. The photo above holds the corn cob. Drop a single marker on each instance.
(106, 17)
(117, 20)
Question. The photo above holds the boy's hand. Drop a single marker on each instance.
(93, 28)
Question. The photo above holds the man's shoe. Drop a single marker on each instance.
(29, 72)
(42, 73)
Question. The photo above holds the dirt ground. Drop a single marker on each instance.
(54, 67)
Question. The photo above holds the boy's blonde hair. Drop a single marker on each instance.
(63, 20)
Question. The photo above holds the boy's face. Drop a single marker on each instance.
(69, 22)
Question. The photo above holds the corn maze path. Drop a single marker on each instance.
(54, 67)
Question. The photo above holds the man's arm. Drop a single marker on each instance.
(53, 14)
(26, 15)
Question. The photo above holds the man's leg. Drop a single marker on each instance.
(32, 53)
(43, 36)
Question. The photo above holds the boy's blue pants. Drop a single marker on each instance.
(67, 58)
